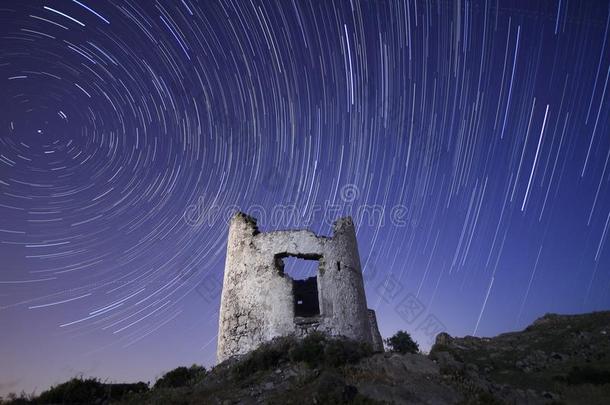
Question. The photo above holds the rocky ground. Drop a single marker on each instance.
(379, 379)
(559, 359)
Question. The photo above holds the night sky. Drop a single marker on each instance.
(469, 140)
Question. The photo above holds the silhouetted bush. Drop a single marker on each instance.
(75, 391)
(402, 342)
(86, 391)
(119, 391)
(181, 377)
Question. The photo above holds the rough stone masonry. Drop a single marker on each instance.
(260, 302)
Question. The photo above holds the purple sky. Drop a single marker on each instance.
(469, 141)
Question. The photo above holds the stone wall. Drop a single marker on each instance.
(257, 301)
(375, 335)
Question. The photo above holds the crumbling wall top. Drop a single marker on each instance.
(340, 225)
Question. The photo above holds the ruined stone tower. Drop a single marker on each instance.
(260, 302)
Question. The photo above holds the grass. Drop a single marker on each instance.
(315, 350)
(181, 377)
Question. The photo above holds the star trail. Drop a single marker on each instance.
(470, 140)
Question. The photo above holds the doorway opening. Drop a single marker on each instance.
(303, 271)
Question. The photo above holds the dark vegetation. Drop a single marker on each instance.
(559, 359)
(564, 357)
(317, 352)
(402, 343)
(93, 391)
(81, 391)
(314, 350)
(181, 377)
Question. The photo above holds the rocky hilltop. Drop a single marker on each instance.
(559, 359)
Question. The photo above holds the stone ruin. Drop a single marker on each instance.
(259, 301)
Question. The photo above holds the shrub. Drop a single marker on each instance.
(402, 343)
(315, 350)
(181, 377)
(75, 391)
(343, 351)
(266, 356)
(318, 349)
(122, 390)
(309, 350)
(82, 391)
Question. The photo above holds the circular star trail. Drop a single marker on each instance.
(470, 141)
